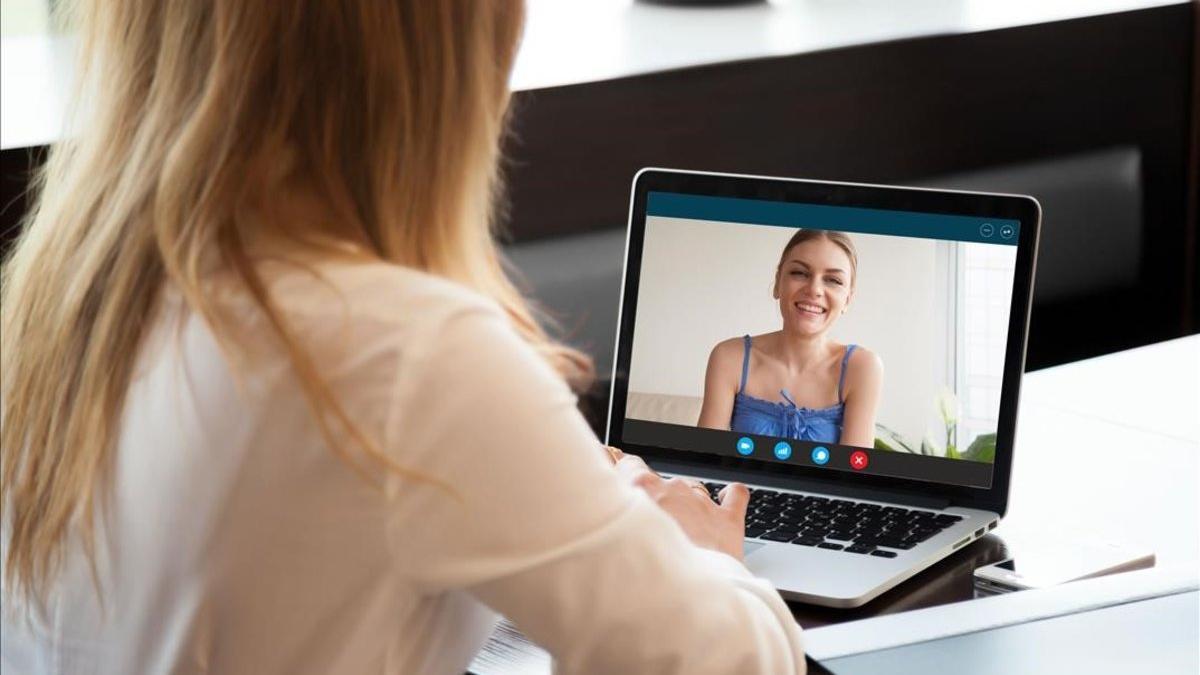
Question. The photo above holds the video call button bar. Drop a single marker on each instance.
(824, 456)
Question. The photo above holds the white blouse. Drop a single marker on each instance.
(233, 539)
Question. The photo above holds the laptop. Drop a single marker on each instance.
(853, 353)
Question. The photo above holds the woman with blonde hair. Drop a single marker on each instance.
(270, 403)
(797, 382)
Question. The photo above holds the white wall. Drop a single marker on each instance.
(703, 282)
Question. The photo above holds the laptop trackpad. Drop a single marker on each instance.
(749, 547)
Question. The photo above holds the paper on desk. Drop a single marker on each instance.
(508, 652)
(894, 630)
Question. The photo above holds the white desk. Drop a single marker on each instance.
(1111, 446)
(1106, 447)
(1154, 389)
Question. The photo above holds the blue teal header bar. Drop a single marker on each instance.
(842, 218)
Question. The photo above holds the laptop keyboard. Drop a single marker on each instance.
(837, 524)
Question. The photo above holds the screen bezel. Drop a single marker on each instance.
(1022, 208)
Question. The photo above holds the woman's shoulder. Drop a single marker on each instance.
(737, 344)
(729, 350)
(340, 309)
(862, 363)
(375, 291)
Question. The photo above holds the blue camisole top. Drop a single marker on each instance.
(785, 419)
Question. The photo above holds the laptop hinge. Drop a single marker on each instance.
(804, 485)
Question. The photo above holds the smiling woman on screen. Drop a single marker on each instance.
(796, 382)
(270, 403)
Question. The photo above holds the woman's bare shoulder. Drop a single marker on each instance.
(729, 349)
(863, 365)
(727, 354)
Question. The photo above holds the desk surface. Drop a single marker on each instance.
(569, 43)
(1157, 634)
(1107, 448)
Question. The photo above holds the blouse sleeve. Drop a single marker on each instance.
(538, 526)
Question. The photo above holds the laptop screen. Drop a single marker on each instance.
(837, 338)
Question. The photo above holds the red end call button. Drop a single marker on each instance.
(859, 460)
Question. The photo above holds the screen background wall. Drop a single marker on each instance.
(703, 282)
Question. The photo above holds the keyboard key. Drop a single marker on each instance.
(859, 548)
(807, 541)
(830, 545)
(755, 531)
(919, 536)
(777, 536)
(892, 542)
(884, 554)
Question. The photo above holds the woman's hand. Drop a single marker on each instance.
(720, 527)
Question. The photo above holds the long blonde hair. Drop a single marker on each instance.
(196, 114)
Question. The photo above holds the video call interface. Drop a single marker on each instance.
(836, 338)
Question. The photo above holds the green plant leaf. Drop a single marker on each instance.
(928, 447)
(982, 449)
(952, 452)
